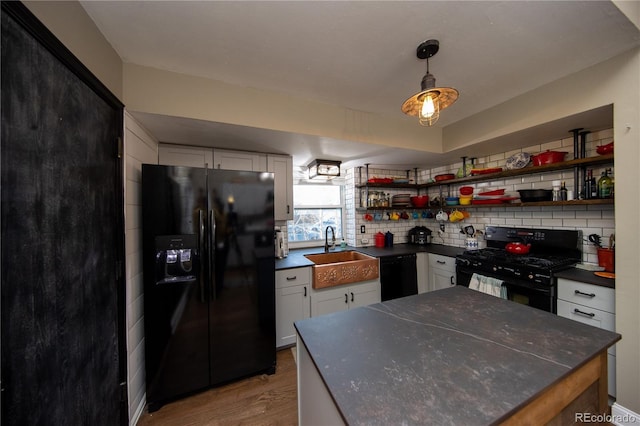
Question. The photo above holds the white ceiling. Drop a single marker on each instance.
(359, 55)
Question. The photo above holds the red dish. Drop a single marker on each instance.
(548, 157)
(466, 190)
(494, 192)
(494, 200)
(605, 149)
(486, 171)
(380, 180)
(446, 176)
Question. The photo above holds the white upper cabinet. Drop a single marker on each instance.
(282, 168)
(190, 156)
(239, 160)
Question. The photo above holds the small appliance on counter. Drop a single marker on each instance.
(420, 235)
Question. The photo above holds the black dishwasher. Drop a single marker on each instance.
(398, 276)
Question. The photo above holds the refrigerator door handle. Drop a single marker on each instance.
(202, 251)
(212, 253)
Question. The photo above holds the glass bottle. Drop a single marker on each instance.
(587, 184)
(594, 186)
(563, 192)
(604, 185)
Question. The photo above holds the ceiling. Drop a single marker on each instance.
(359, 55)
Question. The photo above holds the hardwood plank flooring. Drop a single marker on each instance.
(259, 400)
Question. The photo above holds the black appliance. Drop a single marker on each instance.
(398, 276)
(209, 278)
(529, 278)
(420, 235)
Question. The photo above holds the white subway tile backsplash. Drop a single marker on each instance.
(589, 219)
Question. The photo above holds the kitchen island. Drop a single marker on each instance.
(453, 356)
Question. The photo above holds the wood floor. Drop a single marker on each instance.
(259, 400)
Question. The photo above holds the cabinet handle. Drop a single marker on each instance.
(305, 291)
(442, 262)
(585, 294)
(288, 209)
(352, 296)
(346, 298)
(586, 314)
(292, 278)
(451, 279)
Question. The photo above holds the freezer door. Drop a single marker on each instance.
(175, 293)
(242, 312)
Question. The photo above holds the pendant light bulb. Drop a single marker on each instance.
(430, 111)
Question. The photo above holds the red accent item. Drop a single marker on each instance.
(446, 176)
(486, 171)
(467, 190)
(548, 157)
(379, 239)
(518, 248)
(605, 149)
(490, 193)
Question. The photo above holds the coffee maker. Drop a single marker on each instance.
(420, 235)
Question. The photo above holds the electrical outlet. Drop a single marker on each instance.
(362, 229)
(364, 241)
(441, 231)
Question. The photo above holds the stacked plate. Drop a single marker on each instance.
(401, 200)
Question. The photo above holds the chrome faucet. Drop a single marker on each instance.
(326, 238)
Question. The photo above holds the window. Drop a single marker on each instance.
(316, 206)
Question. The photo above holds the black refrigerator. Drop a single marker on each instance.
(209, 278)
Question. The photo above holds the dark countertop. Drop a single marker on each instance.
(448, 357)
(581, 275)
(296, 258)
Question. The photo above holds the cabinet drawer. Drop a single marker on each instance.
(589, 316)
(442, 262)
(294, 276)
(590, 295)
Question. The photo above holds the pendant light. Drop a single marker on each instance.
(427, 104)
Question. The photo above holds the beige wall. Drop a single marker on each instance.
(163, 92)
(616, 81)
(73, 27)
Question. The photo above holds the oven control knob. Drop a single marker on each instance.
(495, 268)
(530, 276)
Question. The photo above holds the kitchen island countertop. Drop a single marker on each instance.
(453, 356)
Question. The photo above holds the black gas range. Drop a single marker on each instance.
(528, 278)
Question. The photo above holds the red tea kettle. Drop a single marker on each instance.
(518, 248)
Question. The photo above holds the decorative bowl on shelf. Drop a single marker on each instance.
(419, 200)
(605, 149)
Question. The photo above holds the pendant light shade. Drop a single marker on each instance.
(427, 104)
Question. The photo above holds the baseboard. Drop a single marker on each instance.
(622, 416)
(133, 420)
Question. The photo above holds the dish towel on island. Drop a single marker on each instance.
(489, 285)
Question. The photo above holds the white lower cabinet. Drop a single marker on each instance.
(293, 302)
(422, 267)
(593, 305)
(343, 297)
(442, 271)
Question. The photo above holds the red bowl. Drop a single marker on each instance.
(466, 190)
(605, 149)
(419, 200)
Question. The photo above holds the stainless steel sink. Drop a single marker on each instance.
(342, 267)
